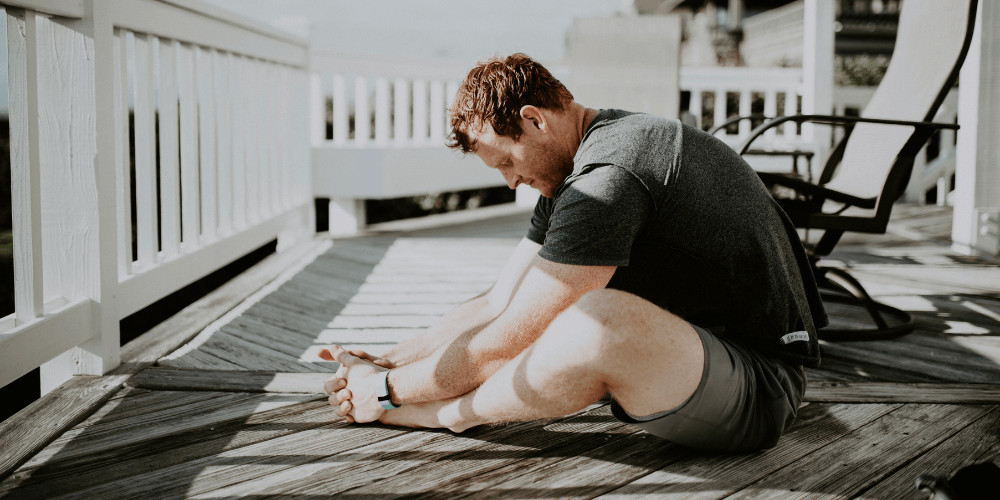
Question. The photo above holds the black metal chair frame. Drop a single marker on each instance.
(806, 209)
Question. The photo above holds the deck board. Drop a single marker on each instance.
(237, 411)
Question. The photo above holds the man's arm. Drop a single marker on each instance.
(471, 316)
(462, 364)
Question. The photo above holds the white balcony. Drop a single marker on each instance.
(198, 136)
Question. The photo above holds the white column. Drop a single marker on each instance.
(976, 224)
(817, 69)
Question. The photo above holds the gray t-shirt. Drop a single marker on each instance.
(691, 228)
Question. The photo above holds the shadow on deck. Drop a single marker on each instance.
(235, 411)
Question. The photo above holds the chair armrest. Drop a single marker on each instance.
(810, 189)
(737, 119)
(836, 120)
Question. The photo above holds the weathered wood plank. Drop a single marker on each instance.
(980, 441)
(195, 414)
(245, 354)
(866, 456)
(717, 475)
(890, 392)
(241, 465)
(183, 326)
(903, 359)
(66, 476)
(238, 381)
(28, 431)
(420, 461)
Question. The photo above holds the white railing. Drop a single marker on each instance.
(718, 94)
(387, 127)
(221, 165)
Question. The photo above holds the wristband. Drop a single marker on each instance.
(384, 399)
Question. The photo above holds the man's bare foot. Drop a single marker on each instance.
(433, 415)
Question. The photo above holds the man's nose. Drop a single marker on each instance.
(512, 180)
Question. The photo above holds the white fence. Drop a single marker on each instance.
(378, 131)
(152, 143)
(378, 127)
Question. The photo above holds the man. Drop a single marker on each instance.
(657, 268)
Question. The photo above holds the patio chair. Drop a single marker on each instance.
(868, 170)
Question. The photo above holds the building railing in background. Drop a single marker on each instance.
(152, 143)
(379, 127)
(378, 132)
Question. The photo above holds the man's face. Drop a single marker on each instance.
(531, 160)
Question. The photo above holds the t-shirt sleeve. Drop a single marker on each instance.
(540, 220)
(596, 217)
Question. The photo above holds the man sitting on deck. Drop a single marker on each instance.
(656, 268)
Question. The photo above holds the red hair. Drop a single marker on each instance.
(495, 90)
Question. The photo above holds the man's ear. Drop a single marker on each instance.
(532, 117)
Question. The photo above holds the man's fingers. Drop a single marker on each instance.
(334, 384)
(345, 408)
(343, 395)
(339, 354)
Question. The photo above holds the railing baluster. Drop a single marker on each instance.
(263, 171)
(791, 108)
(382, 112)
(339, 110)
(694, 105)
(206, 127)
(26, 193)
(237, 90)
(720, 109)
(271, 131)
(170, 194)
(450, 90)
(437, 111)
(770, 111)
(123, 198)
(420, 125)
(401, 111)
(746, 98)
(145, 151)
(285, 111)
(224, 142)
(362, 112)
(249, 123)
(190, 196)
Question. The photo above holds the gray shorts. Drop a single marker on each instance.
(745, 400)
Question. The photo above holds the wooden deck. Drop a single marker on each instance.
(235, 411)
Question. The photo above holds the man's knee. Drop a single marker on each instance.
(605, 318)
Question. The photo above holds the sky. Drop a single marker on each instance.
(458, 30)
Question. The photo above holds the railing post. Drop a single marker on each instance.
(86, 258)
(976, 224)
(817, 69)
(26, 192)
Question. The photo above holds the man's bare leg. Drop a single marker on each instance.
(649, 359)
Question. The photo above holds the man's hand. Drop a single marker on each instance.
(354, 388)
